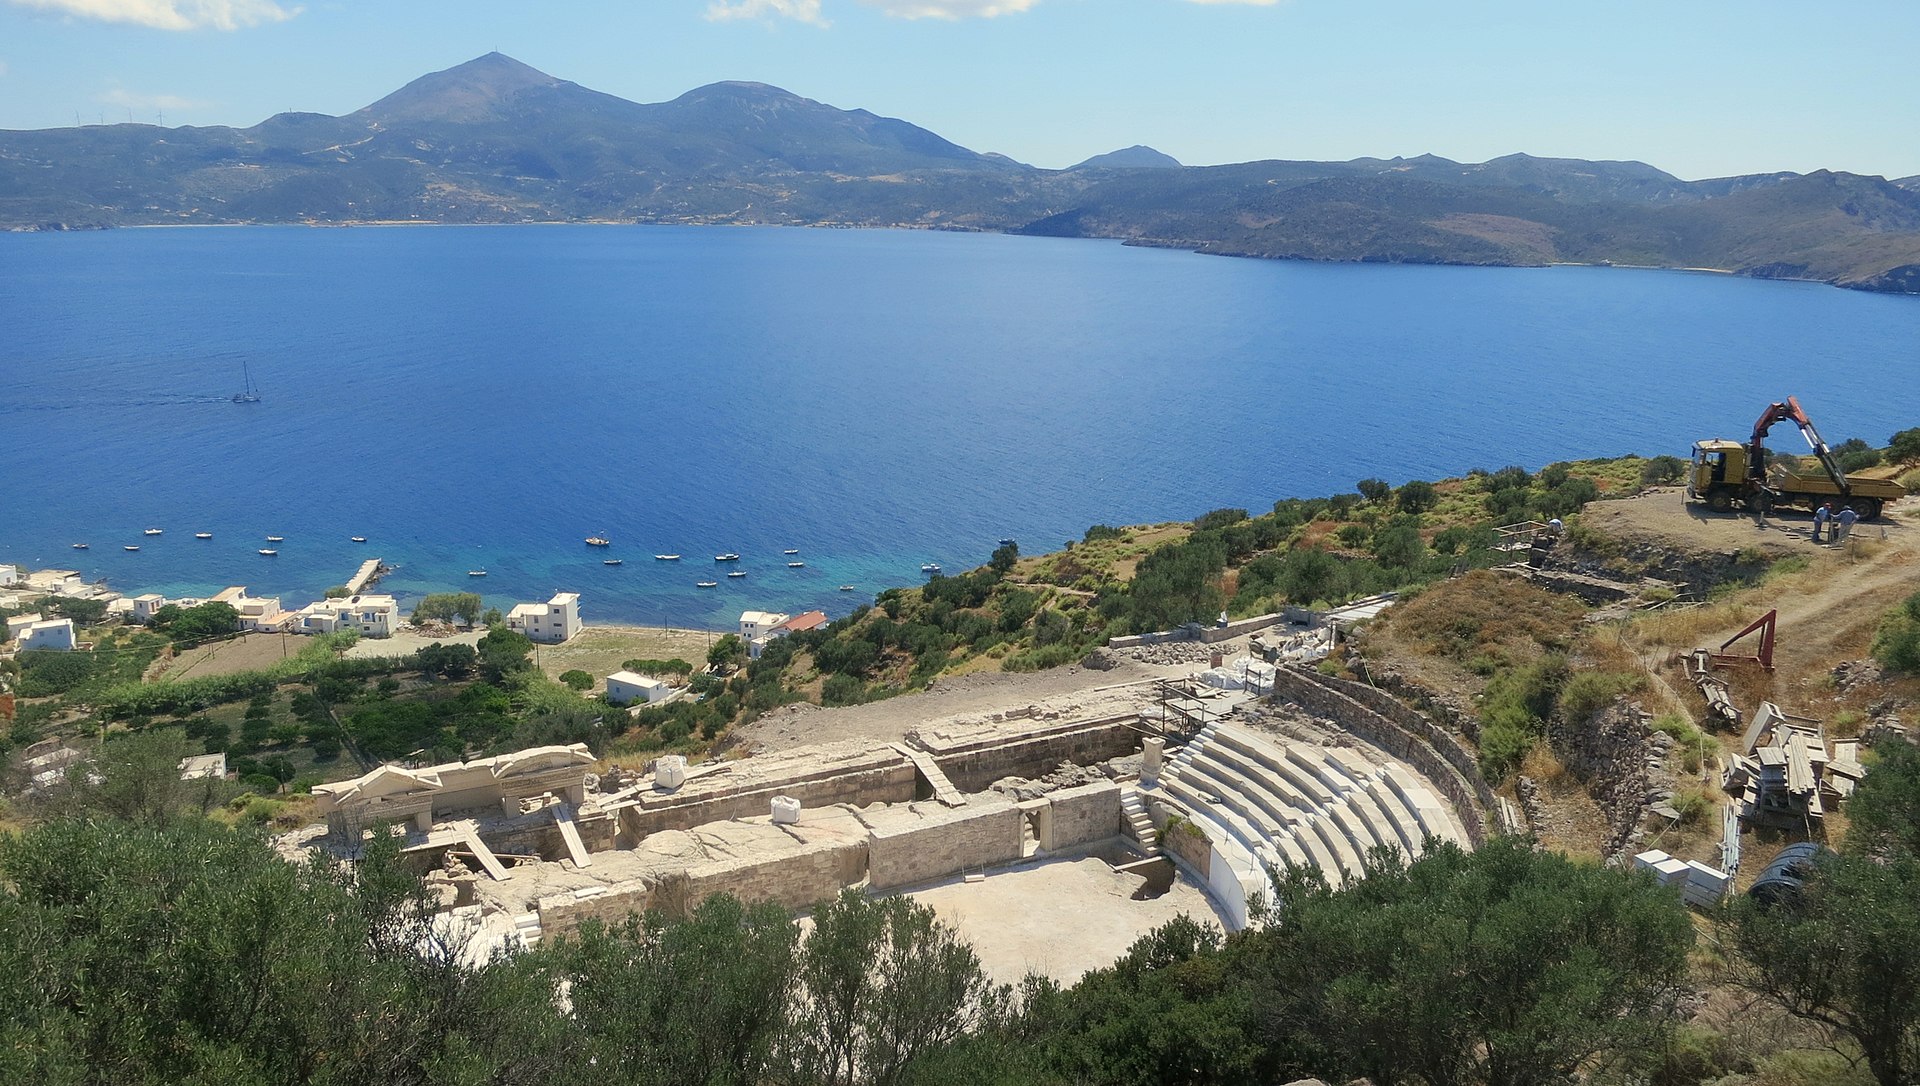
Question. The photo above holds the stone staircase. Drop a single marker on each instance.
(1139, 822)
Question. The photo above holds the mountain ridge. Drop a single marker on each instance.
(496, 140)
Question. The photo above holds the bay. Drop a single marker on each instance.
(486, 397)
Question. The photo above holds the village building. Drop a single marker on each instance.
(369, 615)
(53, 633)
(627, 687)
(549, 623)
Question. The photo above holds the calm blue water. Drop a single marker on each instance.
(486, 397)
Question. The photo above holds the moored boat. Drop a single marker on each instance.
(705, 584)
(154, 531)
(476, 573)
(131, 547)
(80, 546)
(791, 550)
(203, 535)
(930, 567)
(846, 588)
(727, 557)
(268, 551)
(796, 565)
(276, 539)
(610, 561)
(599, 541)
(666, 558)
(359, 539)
(738, 573)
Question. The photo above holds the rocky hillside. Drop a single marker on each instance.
(494, 140)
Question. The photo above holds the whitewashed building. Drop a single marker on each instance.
(51, 633)
(18, 624)
(145, 607)
(755, 626)
(10, 575)
(257, 613)
(551, 622)
(369, 615)
(627, 687)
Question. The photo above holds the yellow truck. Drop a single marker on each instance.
(1728, 474)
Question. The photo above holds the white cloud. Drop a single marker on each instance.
(147, 103)
(803, 11)
(950, 9)
(171, 14)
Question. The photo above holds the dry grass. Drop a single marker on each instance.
(600, 650)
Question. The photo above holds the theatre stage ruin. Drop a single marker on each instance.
(536, 842)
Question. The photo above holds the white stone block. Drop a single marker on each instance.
(669, 771)
(786, 810)
(1153, 752)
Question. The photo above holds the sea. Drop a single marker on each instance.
(485, 398)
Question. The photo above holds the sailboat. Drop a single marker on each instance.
(248, 394)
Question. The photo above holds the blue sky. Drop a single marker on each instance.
(1696, 87)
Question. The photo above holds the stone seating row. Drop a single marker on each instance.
(1324, 807)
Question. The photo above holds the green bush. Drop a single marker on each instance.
(1591, 691)
(1897, 644)
(577, 679)
(842, 690)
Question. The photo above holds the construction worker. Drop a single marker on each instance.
(1820, 517)
(1844, 524)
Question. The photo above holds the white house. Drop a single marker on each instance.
(551, 622)
(145, 607)
(372, 616)
(10, 575)
(781, 627)
(18, 624)
(60, 582)
(755, 626)
(626, 687)
(256, 612)
(53, 633)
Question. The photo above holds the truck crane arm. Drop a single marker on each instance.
(1780, 412)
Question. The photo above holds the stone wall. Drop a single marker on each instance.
(893, 783)
(1187, 842)
(1081, 815)
(925, 841)
(1610, 752)
(973, 769)
(1208, 634)
(1432, 752)
(563, 913)
(795, 880)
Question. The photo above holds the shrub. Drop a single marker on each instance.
(1219, 518)
(1855, 454)
(577, 679)
(1662, 471)
(1904, 446)
(1375, 491)
(1099, 532)
(1897, 644)
(1591, 691)
(1416, 497)
(842, 690)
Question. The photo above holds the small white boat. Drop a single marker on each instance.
(276, 539)
(476, 573)
(791, 550)
(359, 539)
(1006, 541)
(738, 573)
(846, 588)
(706, 584)
(666, 558)
(930, 567)
(131, 547)
(610, 561)
(203, 535)
(599, 541)
(268, 551)
(727, 557)
(80, 546)
(796, 565)
(154, 531)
